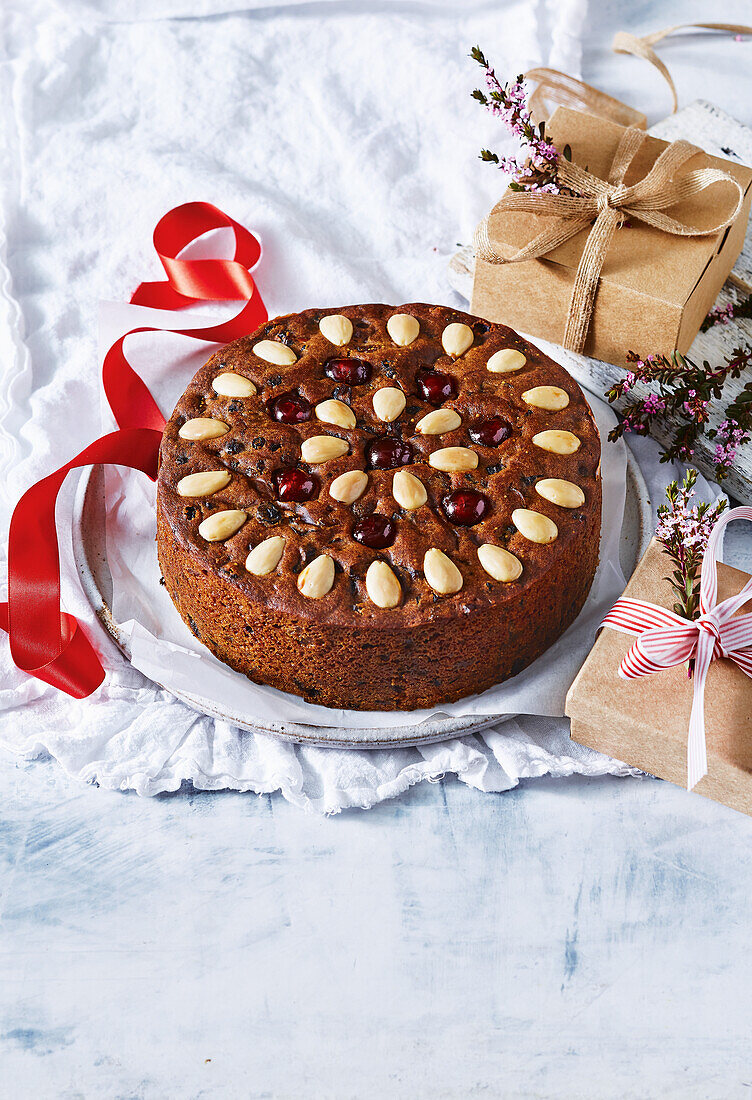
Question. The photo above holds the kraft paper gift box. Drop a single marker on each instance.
(644, 721)
(655, 288)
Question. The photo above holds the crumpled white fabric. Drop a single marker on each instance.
(345, 136)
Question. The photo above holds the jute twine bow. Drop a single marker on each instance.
(606, 204)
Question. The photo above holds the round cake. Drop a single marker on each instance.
(379, 507)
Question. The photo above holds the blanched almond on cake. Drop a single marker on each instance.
(233, 385)
(203, 427)
(557, 442)
(382, 586)
(265, 556)
(499, 563)
(323, 448)
(317, 578)
(203, 484)
(453, 459)
(348, 487)
(564, 493)
(221, 525)
(403, 328)
(438, 422)
(551, 398)
(388, 403)
(337, 329)
(408, 490)
(272, 351)
(534, 526)
(506, 361)
(457, 338)
(335, 412)
(441, 573)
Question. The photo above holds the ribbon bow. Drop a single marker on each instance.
(606, 204)
(665, 640)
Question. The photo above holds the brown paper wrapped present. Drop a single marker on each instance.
(644, 721)
(635, 275)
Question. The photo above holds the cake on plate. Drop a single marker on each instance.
(379, 507)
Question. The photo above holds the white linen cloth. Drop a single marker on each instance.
(344, 135)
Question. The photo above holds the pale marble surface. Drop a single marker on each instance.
(569, 938)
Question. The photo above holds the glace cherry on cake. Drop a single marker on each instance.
(379, 507)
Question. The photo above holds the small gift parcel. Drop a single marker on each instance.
(634, 697)
(629, 255)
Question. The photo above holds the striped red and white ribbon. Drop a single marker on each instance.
(665, 639)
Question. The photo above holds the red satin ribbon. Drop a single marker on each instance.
(188, 282)
(45, 641)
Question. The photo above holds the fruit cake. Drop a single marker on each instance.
(379, 507)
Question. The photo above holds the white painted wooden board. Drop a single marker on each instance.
(722, 136)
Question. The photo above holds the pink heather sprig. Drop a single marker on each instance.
(536, 169)
(683, 530)
(734, 431)
(724, 315)
(681, 393)
(729, 438)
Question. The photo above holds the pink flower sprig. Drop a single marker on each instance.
(724, 315)
(536, 169)
(683, 530)
(719, 315)
(682, 392)
(733, 432)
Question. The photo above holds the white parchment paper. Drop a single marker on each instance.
(164, 649)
